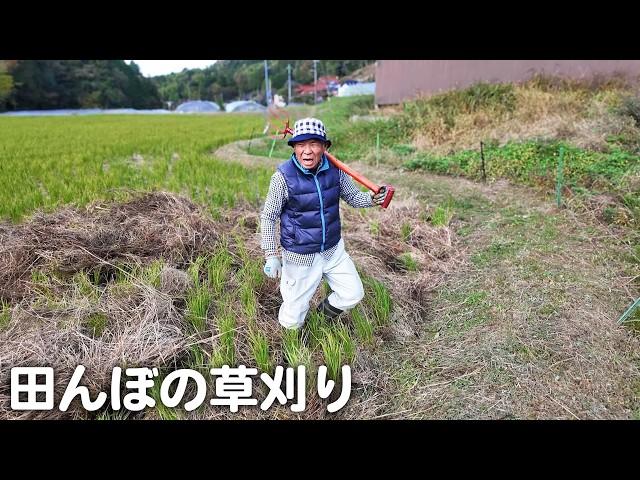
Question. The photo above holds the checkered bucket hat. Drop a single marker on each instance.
(308, 128)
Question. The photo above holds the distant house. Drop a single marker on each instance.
(400, 80)
(326, 85)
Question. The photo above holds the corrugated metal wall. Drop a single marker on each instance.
(398, 80)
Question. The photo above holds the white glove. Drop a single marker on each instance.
(273, 267)
(378, 198)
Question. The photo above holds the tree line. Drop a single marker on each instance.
(52, 84)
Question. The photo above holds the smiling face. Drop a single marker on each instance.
(309, 153)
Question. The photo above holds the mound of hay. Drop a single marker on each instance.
(378, 250)
(70, 240)
(60, 327)
(142, 329)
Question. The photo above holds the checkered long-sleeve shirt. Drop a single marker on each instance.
(276, 199)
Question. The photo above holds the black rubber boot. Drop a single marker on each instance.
(329, 311)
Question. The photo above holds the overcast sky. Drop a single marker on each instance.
(151, 68)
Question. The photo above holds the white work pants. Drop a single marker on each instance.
(298, 284)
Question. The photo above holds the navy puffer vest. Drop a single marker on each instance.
(310, 220)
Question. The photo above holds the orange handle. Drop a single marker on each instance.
(352, 173)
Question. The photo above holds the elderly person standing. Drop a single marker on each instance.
(304, 193)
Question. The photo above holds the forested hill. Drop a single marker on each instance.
(51, 84)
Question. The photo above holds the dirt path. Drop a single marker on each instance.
(525, 326)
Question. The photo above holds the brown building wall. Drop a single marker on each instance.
(399, 80)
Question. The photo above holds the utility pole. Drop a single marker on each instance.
(266, 83)
(289, 83)
(315, 81)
